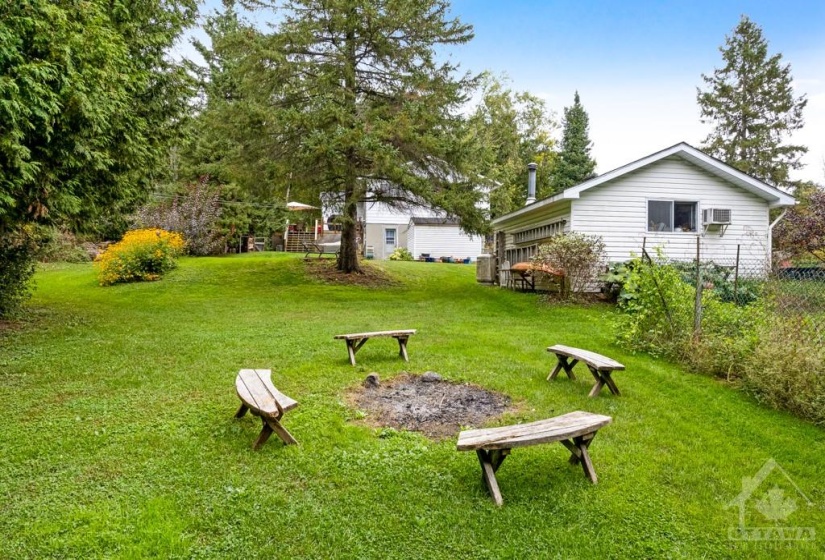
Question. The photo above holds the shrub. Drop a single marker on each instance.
(580, 257)
(658, 309)
(143, 254)
(786, 369)
(17, 264)
(61, 246)
(194, 214)
(401, 254)
(777, 356)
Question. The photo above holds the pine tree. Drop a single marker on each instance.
(751, 105)
(574, 162)
(348, 96)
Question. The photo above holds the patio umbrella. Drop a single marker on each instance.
(299, 206)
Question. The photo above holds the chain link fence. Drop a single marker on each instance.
(787, 290)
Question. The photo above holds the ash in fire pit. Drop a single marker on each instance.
(429, 404)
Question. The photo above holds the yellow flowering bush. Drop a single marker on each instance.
(142, 254)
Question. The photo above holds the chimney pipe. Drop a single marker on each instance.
(531, 183)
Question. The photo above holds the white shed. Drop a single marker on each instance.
(442, 237)
(666, 200)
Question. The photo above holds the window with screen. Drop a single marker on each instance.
(671, 215)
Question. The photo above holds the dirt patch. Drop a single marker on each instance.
(439, 409)
(370, 276)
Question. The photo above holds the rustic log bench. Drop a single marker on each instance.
(600, 366)
(574, 430)
(260, 397)
(356, 340)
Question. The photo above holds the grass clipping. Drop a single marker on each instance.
(436, 408)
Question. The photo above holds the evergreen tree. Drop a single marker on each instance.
(348, 96)
(574, 161)
(89, 103)
(751, 105)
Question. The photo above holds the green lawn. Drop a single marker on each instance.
(118, 440)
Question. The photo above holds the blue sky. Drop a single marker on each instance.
(636, 64)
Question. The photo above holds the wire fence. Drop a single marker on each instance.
(793, 292)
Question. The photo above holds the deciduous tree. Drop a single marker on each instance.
(801, 232)
(508, 130)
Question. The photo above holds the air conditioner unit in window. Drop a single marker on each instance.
(716, 216)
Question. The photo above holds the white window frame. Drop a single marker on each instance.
(673, 202)
(394, 236)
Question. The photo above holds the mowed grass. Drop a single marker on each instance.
(117, 435)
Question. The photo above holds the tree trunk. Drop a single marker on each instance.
(348, 256)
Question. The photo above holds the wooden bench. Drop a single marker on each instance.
(356, 340)
(260, 397)
(323, 246)
(575, 431)
(600, 366)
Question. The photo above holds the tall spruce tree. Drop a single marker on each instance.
(574, 162)
(751, 105)
(349, 97)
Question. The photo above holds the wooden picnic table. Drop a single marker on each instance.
(574, 430)
(356, 340)
(527, 271)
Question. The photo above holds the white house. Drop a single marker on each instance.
(666, 200)
(420, 229)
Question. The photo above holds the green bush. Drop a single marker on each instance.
(720, 279)
(580, 257)
(61, 246)
(657, 309)
(786, 369)
(777, 357)
(17, 264)
(401, 254)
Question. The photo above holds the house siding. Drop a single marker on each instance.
(374, 237)
(617, 211)
(380, 213)
(443, 241)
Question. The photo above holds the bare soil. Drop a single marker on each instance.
(370, 276)
(439, 409)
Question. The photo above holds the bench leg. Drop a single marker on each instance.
(599, 382)
(351, 351)
(606, 376)
(568, 368)
(266, 431)
(271, 425)
(490, 462)
(402, 347)
(587, 465)
(354, 346)
(602, 378)
(241, 411)
(282, 432)
(578, 454)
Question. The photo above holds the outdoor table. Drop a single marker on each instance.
(526, 272)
